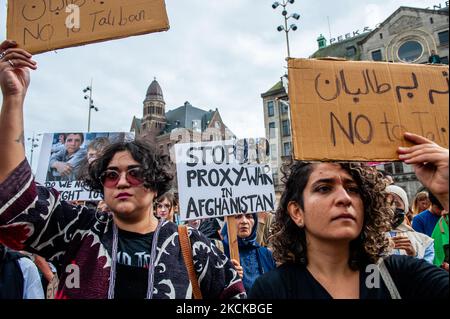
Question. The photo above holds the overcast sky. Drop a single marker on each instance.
(217, 54)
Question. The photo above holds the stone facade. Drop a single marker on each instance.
(278, 132)
(409, 35)
(183, 124)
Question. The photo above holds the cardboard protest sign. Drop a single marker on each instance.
(223, 178)
(65, 157)
(44, 25)
(358, 111)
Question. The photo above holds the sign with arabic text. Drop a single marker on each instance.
(358, 111)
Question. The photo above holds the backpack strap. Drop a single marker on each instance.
(388, 281)
(189, 262)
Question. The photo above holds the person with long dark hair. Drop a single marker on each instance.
(329, 232)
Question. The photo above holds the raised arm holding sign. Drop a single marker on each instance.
(14, 80)
(100, 245)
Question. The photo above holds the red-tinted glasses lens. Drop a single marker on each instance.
(110, 178)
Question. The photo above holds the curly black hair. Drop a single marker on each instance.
(157, 171)
(288, 241)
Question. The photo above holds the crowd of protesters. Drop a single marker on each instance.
(333, 221)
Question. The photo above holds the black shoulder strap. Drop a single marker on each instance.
(388, 281)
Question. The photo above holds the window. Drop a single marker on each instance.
(152, 109)
(275, 178)
(443, 37)
(272, 130)
(287, 149)
(410, 51)
(431, 20)
(381, 35)
(377, 56)
(284, 108)
(398, 167)
(351, 51)
(286, 128)
(389, 169)
(270, 109)
(273, 151)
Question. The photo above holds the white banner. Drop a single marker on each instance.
(224, 178)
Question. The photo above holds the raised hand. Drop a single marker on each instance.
(14, 73)
(430, 163)
(14, 81)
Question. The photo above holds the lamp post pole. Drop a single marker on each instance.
(33, 140)
(286, 17)
(90, 108)
(91, 103)
(286, 31)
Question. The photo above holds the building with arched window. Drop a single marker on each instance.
(186, 123)
(409, 35)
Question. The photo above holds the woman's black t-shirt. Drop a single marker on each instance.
(414, 278)
(133, 259)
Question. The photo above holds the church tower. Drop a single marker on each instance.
(154, 119)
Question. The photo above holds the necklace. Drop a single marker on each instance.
(151, 266)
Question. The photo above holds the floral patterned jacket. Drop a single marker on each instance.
(33, 218)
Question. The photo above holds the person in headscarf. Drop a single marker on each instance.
(254, 259)
(404, 239)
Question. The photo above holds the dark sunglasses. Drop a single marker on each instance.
(110, 178)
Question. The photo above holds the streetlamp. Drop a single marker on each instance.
(91, 104)
(34, 144)
(286, 16)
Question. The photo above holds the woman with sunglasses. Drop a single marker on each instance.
(126, 254)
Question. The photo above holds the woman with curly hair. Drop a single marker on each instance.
(127, 253)
(329, 233)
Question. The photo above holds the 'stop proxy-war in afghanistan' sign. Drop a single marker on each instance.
(223, 178)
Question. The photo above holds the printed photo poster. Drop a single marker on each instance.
(224, 178)
(65, 158)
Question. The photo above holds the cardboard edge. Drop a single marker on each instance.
(34, 52)
(9, 18)
(299, 155)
